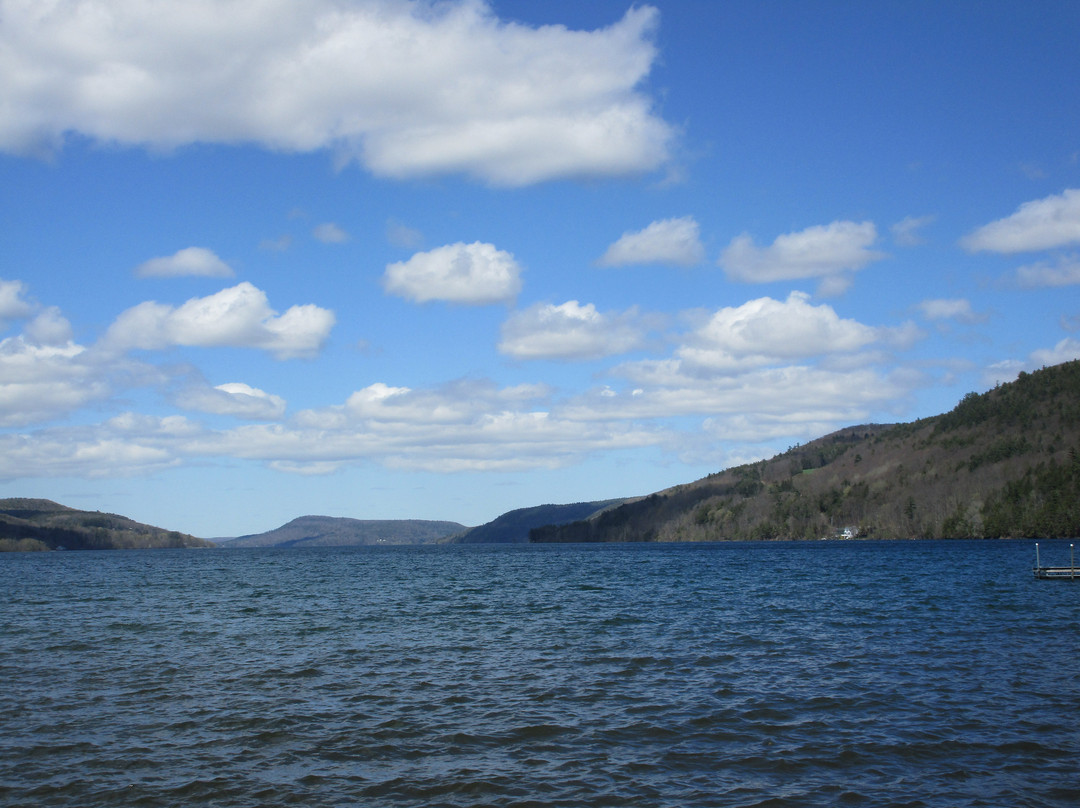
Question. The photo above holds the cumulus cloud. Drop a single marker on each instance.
(49, 327)
(767, 331)
(407, 88)
(958, 309)
(825, 251)
(1042, 224)
(1066, 272)
(188, 261)
(238, 317)
(475, 274)
(668, 241)
(233, 398)
(13, 306)
(330, 233)
(570, 331)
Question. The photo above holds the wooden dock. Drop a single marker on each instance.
(1057, 573)
(1069, 573)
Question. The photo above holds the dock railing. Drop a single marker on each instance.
(1069, 573)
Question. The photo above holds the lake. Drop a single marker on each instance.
(744, 674)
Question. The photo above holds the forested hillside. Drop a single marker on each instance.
(1001, 463)
(40, 524)
(514, 526)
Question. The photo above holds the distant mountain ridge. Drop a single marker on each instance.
(1005, 463)
(41, 524)
(335, 531)
(513, 526)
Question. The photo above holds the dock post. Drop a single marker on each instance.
(1072, 564)
(1037, 564)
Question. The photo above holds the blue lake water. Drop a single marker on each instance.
(746, 674)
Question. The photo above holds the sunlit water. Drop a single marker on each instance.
(764, 674)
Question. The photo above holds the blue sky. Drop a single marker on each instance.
(387, 259)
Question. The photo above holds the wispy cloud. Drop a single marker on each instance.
(1042, 224)
(279, 244)
(668, 241)
(188, 261)
(330, 233)
(827, 251)
(958, 309)
(1066, 272)
(233, 398)
(570, 331)
(906, 231)
(401, 235)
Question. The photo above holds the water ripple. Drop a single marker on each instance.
(785, 675)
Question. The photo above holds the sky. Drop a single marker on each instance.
(387, 259)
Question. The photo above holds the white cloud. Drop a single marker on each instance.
(41, 380)
(570, 331)
(407, 88)
(45, 375)
(473, 425)
(766, 331)
(1065, 351)
(958, 309)
(1042, 224)
(12, 304)
(466, 425)
(906, 231)
(823, 251)
(50, 327)
(747, 405)
(475, 274)
(668, 241)
(1065, 273)
(188, 261)
(151, 427)
(1001, 372)
(233, 398)
(239, 317)
(1007, 370)
(330, 233)
(89, 452)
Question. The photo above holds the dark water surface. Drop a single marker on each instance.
(762, 674)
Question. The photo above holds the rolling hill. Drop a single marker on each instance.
(331, 531)
(513, 526)
(40, 524)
